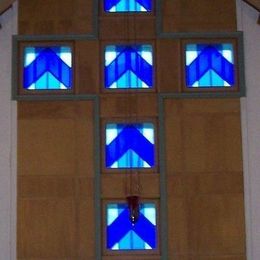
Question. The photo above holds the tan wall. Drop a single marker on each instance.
(199, 16)
(55, 17)
(55, 141)
(55, 180)
(204, 179)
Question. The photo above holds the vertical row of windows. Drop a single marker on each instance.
(129, 145)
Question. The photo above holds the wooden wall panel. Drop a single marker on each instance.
(46, 228)
(206, 132)
(200, 15)
(127, 27)
(204, 179)
(131, 105)
(86, 229)
(55, 17)
(54, 155)
(50, 138)
(55, 180)
(168, 65)
(87, 64)
(116, 185)
(46, 186)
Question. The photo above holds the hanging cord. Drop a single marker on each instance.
(134, 198)
(126, 98)
(132, 176)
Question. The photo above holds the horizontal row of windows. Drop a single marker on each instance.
(207, 65)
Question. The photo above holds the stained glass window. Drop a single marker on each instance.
(209, 65)
(123, 235)
(128, 66)
(47, 68)
(130, 145)
(128, 5)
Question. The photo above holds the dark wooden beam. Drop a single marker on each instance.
(254, 3)
(5, 5)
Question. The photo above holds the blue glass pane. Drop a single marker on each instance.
(128, 66)
(123, 235)
(47, 68)
(210, 65)
(127, 5)
(130, 145)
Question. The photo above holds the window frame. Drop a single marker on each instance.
(207, 89)
(152, 170)
(109, 252)
(42, 92)
(153, 89)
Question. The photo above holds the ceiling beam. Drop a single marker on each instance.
(5, 5)
(256, 5)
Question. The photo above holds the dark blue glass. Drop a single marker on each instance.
(130, 145)
(127, 5)
(209, 65)
(47, 68)
(123, 235)
(129, 66)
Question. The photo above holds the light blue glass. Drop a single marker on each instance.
(123, 235)
(128, 66)
(210, 65)
(130, 145)
(113, 6)
(47, 68)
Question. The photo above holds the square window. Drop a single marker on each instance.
(47, 68)
(128, 66)
(209, 65)
(121, 234)
(113, 6)
(129, 145)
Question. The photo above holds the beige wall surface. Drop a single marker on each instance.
(8, 21)
(250, 112)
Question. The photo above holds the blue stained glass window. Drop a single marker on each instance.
(127, 6)
(128, 66)
(210, 65)
(123, 235)
(47, 68)
(130, 145)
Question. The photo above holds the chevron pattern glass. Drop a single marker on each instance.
(210, 65)
(113, 6)
(123, 235)
(47, 68)
(130, 145)
(128, 66)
